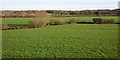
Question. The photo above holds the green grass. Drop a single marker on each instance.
(68, 41)
(16, 20)
(82, 19)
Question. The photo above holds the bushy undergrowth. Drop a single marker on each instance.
(37, 23)
(103, 21)
(56, 22)
(4, 25)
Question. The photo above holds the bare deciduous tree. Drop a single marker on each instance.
(41, 19)
(3, 25)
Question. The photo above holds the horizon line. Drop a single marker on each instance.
(58, 8)
(62, 9)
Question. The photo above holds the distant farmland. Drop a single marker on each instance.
(82, 19)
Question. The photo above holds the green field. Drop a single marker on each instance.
(82, 19)
(67, 41)
(61, 41)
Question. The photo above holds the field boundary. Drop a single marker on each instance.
(27, 27)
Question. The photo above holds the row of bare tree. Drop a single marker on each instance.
(31, 13)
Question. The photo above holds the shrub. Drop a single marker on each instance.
(110, 21)
(4, 25)
(41, 19)
(57, 22)
(97, 20)
(103, 21)
(73, 21)
(37, 23)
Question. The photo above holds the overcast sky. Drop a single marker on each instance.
(57, 4)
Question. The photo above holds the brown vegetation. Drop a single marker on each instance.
(41, 19)
(58, 13)
(4, 25)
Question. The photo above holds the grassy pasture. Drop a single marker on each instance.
(82, 19)
(68, 41)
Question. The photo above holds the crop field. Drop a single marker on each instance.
(82, 19)
(60, 30)
(64, 41)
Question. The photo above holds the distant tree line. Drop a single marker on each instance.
(59, 13)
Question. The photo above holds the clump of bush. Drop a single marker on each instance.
(56, 22)
(102, 21)
(73, 21)
(97, 20)
(41, 19)
(111, 21)
(37, 23)
(4, 25)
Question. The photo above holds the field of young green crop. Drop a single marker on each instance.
(82, 19)
(68, 41)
